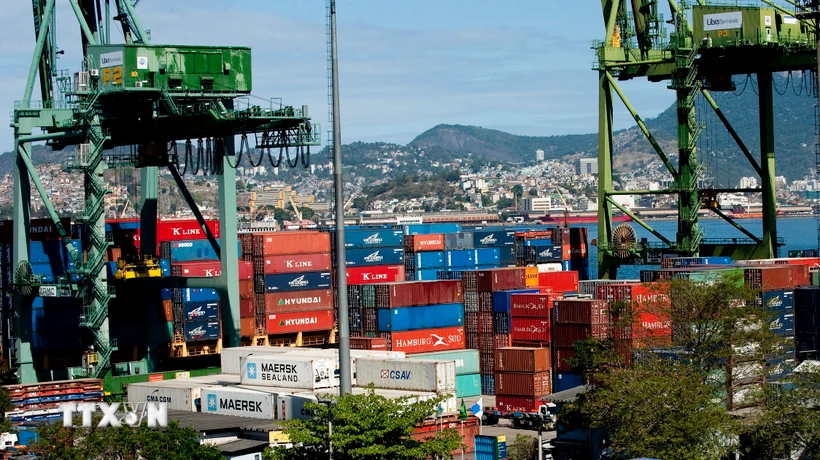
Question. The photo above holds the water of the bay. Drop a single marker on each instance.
(797, 232)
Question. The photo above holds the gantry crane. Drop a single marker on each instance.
(695, 58)
(147, 97)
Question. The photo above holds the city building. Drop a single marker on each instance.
(748, 182)
(539, 155)
(536, 204)
(588, 166)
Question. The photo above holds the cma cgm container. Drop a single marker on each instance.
(283, 243)
(179, 394)
(376, 256)
(239, 402)
(522, 359)
(418, 293)
(297, 281)
(297, 263)
(466, 360)
(376, 274)
(407, 374)
(427, 340)
(382, 238)
(424, 243)
(423, 317)
(304, 372)
(321, 299)
(301, 321)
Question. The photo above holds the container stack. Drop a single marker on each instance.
(490, 447)
(530, 319)
(468, 379)
(522, 378)
(650, 309)
(775, 284)
(196, 314)
(423, 256)
(503, 240)
(807, 322)
(574, 320)
(41, 401)
(536, 247)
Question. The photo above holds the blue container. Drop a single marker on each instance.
(195, 332)
(165, 266)
(785, 347)
(544, 254)
(487, 256)
(502, 449)
(428, 229)
(198, 295)
(26, 437)
(111, 268)
(53, 252)
(55, 323)
(565, 381)
(297, 281)
(114, 226)
(486, 448)
(680, 262)
(580, 265)
(467, 386)
(201, 311)
(460, 259)
(492, 239)
(194, 250)
(501, 299)
(778, 367)
(426, 275)
(779, 300)
(426, 317)
(429, 260)
(487, 384)
(565, 265)
(376, 256)
(538, 243)
(376, 238)
(165, 294)
(49, 272)
(506, 256)
(783, 324)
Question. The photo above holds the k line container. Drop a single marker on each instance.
(427, 340)
(290, 372)
(466, 360)
(376, 274)
(510, 403)
(238, 402)
(288, 242)
(384, 238)
(276, 302)
(522, 359)
(374, 256)
(407, 374)
(423, 317)
(297, 282)
(303, 321)
(297, 263)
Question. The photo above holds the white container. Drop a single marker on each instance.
(239, 402)
(215, 379)
(407, 374)
(181, 394)
(290, 371)
(549, 267)
(229, 357)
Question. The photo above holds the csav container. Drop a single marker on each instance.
(427, 340)
(297, 282)
(297, 263)
(466, 360)
(522, 359)
(407, 374)
(290, 372)
(375, 256)
(238, 402)
(303, 321)
(321, 299)
(423, 317)
(381, 238)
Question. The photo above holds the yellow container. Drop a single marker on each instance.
(531, 276)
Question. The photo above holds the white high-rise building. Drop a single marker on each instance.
(748, 182)
(539, 155)
(588, 166)
(536, 204)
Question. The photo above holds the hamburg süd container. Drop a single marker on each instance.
(239, 402)
(290, 372)
(291, 242)
(199, 331)
(426, 340)
(297, 263)
(321, 299)
(407, 374)
(378, 238)
(532, 305)
(501, 299)
(302, 321)
(466, 360)
(531, 384)
(519, 359)
(423, 317)
(418, 293)
(530, 329)
(375, 274)
(511, 403)
(424, 243)
(201, 311)
(374, 256)
(297, 281)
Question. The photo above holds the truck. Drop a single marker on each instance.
(544, 417)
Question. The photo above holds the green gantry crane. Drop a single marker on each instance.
(148, 98)
(722, 40)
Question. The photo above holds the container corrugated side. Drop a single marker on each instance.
(468, 385)
(423, 317)
(375, 256)
(297, 263)
(426, 340)
(238, 402)
(320, 299)
(290, 372)
(501, 279)
(230, 357)
(528, 384)
(283, 243)
(466, 360)
(407, 374)
(580, 311)
(178, 396)
(517, 359)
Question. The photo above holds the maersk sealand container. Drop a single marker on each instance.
(375, 256)
(416, 318)
(376, 238)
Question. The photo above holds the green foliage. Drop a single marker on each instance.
(518, 190)
(593, 356)
(366, 427)
(533, 192)
(123, 443)
(523, 448)
(504, 202)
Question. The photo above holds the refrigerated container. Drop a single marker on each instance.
(239, 402)
(290, 371)
(407, 374)
(466, 360)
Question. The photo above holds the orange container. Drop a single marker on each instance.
(168, 308)
(284, 243)
(423, 243)
(531, 276)
(246, 289)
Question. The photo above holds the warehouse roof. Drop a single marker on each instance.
(568, 395)
(214, 423)
(243, 446)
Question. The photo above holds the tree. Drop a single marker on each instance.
(533, 192)
(307, 213)
(125, 442)
(365, 427)
(518, 190)
(523, 448)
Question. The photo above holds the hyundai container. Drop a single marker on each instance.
(238, 402)
(374, 256)
(522, 359)
(303, 321)
(423, 243)
(276, 302)
(296, 263)
(466, 360)
(378, 238)
(422, 317)
(290, 372)
(407, 374)
(297, 282)
(39, 230)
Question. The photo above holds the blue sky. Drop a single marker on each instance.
(522, 66)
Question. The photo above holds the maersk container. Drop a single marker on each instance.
(201, 311)
(376, 256)
(429, 260)
(487, 256)
(466, 360)
(421, 317)
(468, 385)
(230, 357)
(198, 331)
(427, 229)
(291, 406)
(501, 299)
(239, 402)
(179, 394)
(426, 275)
(458, 241)
(407, 374)
(297, 281)
(464, 258)
(494, 238)
(290, 372)
(377, 238)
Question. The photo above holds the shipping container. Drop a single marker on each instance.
(486, 257)
(52, 252)
(238, 402)
(532, 305)
(468, 385)
(376, 274)
(500, 279)
(304, 321)
(769, 277)
(199, 331)
(777, 300)
(580, 311)
(297, 282)
(179, 394)
(560, 357)
(231, 356)
(407, 374)
(590, 287)
(201, 311)
(511, 403)
(427, 229)
(422, 317)
(565, 335)
(291, 242)
(54, 323)
(566, 381)
(418, 293)
(39, 230)
(494, 238)
(320, 299)
(425, 275)
(506, 256)
(460, 258)
(783, 323)
(245, 270)
(534, 385)
(530, 329)
(196, 295)
(290, 371)
(561, 281)
(501, 299)
(458, 241)
(487, 384)
(368, 343)
(246, 289)
(376, 256)
(451, 338)
(466, 360)
(424, 243)
(428, 260)
(297, 263)
(522, 359)
(379, 238)
(247, 326)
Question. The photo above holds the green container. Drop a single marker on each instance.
(740, 26)
(208, 69)
(815, 277)
(466, 360)
(468, 386)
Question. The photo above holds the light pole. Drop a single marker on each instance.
(329, 402)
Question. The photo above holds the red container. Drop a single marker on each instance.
(467, 430)
(39, 229)
(471, 322)
(769, 277)
(368, 343)
(246, 289)
(418, 293)
(580, 312)
(800, 275)
(245, 270)
(184, 229)
(168, 309)
(500, 279)
(302, 321)
(486, 362)
(565, 335)
(522, 359)
(422, 341)
(485, 323)
(559, 358)
(370, 320)
(527, 384)
(486, 344)
(247, 327)
(507, 403)
(283, 243)
(321, 299)
(423, 243)
(559, 281)
(531, 305)
(374, 275)
(247, 308)
(502, 340)
(534, 235)
(530, 329)
(207, 269)
(297, 263)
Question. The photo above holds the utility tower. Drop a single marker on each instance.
(694, 59)
(148, 98)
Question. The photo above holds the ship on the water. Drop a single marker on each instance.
(580, 218)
